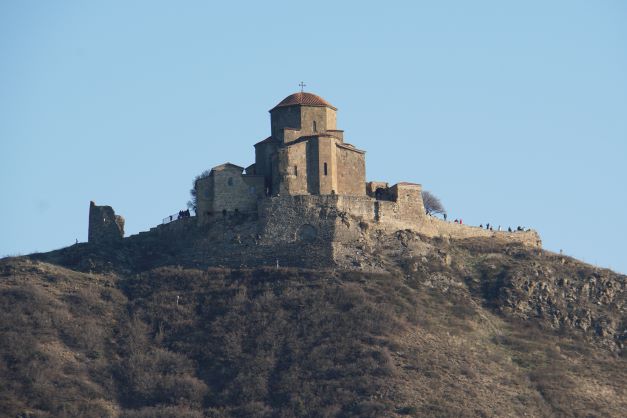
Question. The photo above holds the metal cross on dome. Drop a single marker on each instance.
(302, 86)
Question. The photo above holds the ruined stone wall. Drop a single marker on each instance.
(104, 225)
(373, 186)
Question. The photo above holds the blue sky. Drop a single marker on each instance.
(513, 113)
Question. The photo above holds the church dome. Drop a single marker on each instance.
(305, 99)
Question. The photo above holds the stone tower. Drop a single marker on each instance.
(104, 225)
(305, 153)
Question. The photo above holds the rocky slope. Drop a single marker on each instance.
(405, 326)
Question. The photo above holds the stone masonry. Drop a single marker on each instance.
(104, 225)
(306, 190)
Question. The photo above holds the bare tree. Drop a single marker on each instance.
(432, 204)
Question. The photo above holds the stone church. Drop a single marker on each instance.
(304, 155)
(306, 187)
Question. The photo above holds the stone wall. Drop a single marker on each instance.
(350, 171)
(293, 169)
(302, 231)
(323, 117)
(263, 160)
(284, 117)
(104, 225)
(327, 168)
(373, 186)
(408, 197)
(338, 218)
(296, 218)
(228, 190)
(229, 241)
(291, 122)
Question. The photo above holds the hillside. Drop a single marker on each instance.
(421, 328)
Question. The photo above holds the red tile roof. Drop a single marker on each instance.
(305, 99)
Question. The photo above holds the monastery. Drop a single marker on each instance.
(306, 186)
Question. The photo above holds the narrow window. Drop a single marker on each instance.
(296, 170)
(230, 181)
(315, 128)
(325, 169)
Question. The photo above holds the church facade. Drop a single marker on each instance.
(305, 154)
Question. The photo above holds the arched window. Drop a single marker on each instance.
(325, 169)
(230, 181)
(315, 128)
(296, 170)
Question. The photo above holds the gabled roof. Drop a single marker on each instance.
(303, 99)
(227, 166)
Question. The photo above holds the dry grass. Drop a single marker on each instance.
(286, 342)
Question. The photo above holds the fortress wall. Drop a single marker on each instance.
(338, 218)
(282, 218)
(300, 231)
(434, 227)
(389, 217)
(230, 241)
